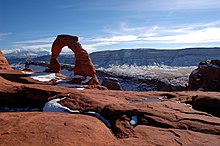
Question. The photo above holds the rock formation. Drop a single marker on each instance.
(111, 83)
(83, 64)
(210, 104)
(142, 57)
(206, 77)
(3, 62)
(104, 117)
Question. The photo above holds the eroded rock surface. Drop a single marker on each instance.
(103, 117)
(207, 103)
(111, 83)
(83, 63)
(3, 62)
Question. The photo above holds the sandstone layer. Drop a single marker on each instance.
(104, 117)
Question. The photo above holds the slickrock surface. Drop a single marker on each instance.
(104, 117)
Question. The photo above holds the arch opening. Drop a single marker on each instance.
(83, 64)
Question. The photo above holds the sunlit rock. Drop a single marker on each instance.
(83, 63)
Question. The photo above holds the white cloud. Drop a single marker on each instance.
(143, 5)
(4, 34)
(121, 38)
(92, 47)
(42, 46)
(124, 35)
(44, 40)
(37, 44)
(185, 34)
(206, 35)
(182, 4)
(124, 29)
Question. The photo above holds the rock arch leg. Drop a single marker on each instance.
(83, 63)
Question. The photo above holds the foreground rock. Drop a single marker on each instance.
(110, 117)
(103, 117)
(23, 129)
(206, 77)
(207, 103)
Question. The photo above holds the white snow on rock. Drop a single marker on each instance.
(80, 88)
(87, 79)
(27, 72)
(43, 76)
(134, 120)
(54, 106)
(77, 86)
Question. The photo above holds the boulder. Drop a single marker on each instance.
(111, 83)
(83, 63)
(206, 77)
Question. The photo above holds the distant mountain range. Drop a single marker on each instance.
(25, 53)
(140, 57)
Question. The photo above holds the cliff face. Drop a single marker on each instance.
(182, 57)
(140, 57)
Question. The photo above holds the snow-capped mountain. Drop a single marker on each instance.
(22, 52)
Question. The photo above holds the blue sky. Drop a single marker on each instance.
(109, 25)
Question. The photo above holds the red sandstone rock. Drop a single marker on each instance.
(3, 62)
(47, 129)
(111, 83)
(207, 103)
(206, 77)
(135, 118)
(83, 63)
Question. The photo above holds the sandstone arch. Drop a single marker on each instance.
(83, 64)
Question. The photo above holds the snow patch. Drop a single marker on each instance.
(134, 120)
(54, 106)
(80, 88)
(27, 72)
(148, 71)
(88, 78)
(44, 77)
